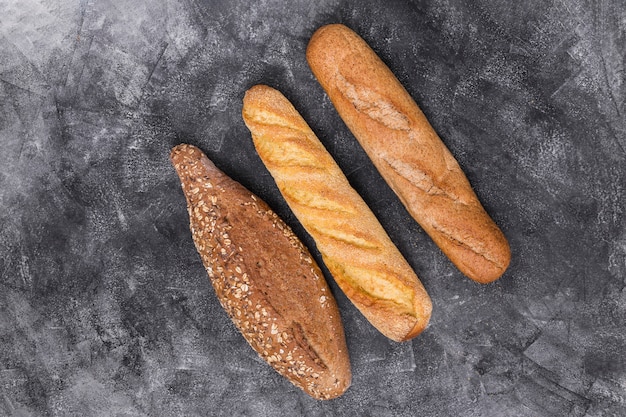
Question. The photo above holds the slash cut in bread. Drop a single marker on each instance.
(407, 152)
(359, 254)
(264, 278)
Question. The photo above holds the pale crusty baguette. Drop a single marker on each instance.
(407, 152)
(264, 278)
(356, 249)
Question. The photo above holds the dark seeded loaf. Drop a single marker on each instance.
(264, 278)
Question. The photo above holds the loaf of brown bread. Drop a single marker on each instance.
(407, 152)
(356, 249)
(264, 278)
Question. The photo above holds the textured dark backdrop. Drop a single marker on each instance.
(105, 309)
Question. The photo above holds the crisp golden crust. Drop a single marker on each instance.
(407, 152)
(357, 251)
(265, 278)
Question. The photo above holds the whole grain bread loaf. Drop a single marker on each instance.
(265, 278)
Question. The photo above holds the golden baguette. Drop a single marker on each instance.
(264, 278)
(407, 152)
(354, 246)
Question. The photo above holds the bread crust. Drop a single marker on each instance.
(359, 254)
(407, 151)
(265, 278)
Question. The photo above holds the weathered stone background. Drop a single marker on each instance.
(105, 309)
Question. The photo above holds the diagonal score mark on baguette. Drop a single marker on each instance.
(416, 177)
(295, 150)
(352, 237)
(378, 286)
(474, 245)
(424, 183)
(271, 119)
(376, 106)
(304, 198)
(291, 152)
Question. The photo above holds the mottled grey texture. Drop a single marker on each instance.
(105, 309)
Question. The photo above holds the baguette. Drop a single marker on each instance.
(356, 249)
(407, 152)
(264, 278)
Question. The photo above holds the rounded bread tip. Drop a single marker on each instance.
(181, 150)
(496, 273)
(419, 327)
(192, 159)
(323, 30)
(256, 89)
(254, 96)
(322, 36)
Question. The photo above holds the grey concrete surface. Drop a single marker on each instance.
(105, 309)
